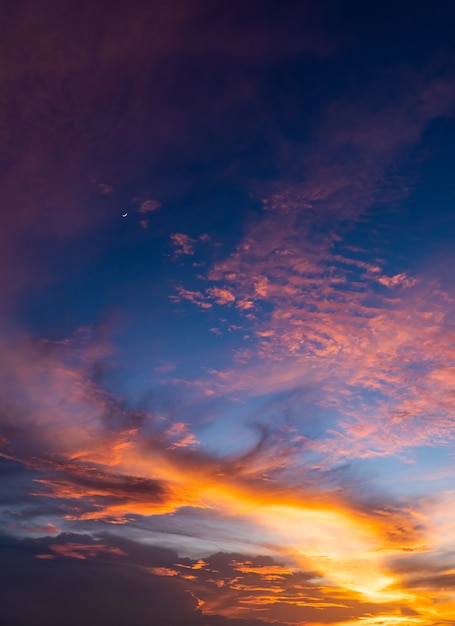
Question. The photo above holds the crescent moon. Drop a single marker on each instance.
(124, 214)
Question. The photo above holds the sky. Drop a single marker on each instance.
(227, 313)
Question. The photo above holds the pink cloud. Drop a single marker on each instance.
(399, 280)
(181, 436)
(196, 297)
(148, 206)
(183, 244)
(221, 296)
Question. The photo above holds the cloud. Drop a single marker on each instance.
(104, 187)
(363, 340)
(223, 589)
(82, 551)
(221, 296)
(314, 311)
(36, 529)
(181, 436)
(148, 206)
(196, 297)
(90, 460)
(67, 589)
(401, 280)
(98, 461)
(183, 244)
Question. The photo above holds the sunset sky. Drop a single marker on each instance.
(227, 313)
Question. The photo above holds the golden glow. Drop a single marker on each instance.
(343, 549)
(347, 548)
(384, 620)
(357, 556)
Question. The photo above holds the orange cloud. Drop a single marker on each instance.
(84, 551)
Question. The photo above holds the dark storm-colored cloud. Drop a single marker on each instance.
(235, 584)
(88, 491)
(74, 579)
(69, 590)
(78, 579)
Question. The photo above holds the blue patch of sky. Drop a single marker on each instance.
(240, 424)
(422, 470)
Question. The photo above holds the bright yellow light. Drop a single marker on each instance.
(344, 550)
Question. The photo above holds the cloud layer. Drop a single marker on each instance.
(226, 364)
